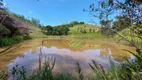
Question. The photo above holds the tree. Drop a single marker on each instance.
(49, 30)
(66, 30)
(55, 31)
(102, 12)
(74, 23)
(121, 23)
(35, 21)
(82, 23)
(130, 8)
(90, 30)
(84, 31)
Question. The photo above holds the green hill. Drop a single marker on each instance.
(85, 31)
(34, 29)
(129, 35)
(16, 28)
(80, 28)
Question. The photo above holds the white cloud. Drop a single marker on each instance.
(4, 4)
(30, 12)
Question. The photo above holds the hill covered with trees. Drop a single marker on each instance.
(15, 28)
(71, 29)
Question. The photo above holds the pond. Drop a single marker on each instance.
(67, 54)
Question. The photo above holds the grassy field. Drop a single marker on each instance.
(85, 31)
(81, 27)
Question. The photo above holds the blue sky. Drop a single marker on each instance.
(52, 12)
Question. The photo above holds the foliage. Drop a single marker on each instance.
(79, 72)
(12, 31)
(58, 30)
(137, 30)
(27, 37)
(6, 41)
(74, 23)
(62, 29)
(121, 23)
(82, 22)
(11, 26)
(49, 30)
(103, 13)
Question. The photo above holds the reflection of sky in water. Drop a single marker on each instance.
(65, 59)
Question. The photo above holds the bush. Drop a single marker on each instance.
(27, 37)
(6, 41)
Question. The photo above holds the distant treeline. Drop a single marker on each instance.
(59, 30)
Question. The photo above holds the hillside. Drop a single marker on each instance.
(85, 31)
(129, 35)
(16, 28)
(34, 29)
(80, 28)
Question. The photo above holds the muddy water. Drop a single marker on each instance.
(67, 53)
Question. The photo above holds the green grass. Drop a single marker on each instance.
(82, 27)
(91, 31)
(87, 35)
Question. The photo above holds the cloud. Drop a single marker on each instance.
(4, 4)
(30, 12)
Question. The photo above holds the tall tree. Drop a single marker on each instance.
(103, 13)
(121, 23)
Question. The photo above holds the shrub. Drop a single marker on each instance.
(27, 37)
(6, 41)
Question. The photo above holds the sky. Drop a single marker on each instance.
(52, 12)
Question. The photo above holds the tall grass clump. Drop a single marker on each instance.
(132, 70)
(3, 75)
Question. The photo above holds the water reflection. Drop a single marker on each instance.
(66, 59)
(67, 53)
